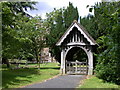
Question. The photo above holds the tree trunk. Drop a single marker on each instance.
(39, 64)
(38, 59)
(51, 59)
(8, 64)
(6, 61)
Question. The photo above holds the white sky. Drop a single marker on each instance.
(46, 6)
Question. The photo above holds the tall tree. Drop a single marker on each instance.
(90, 25)
(106, 25)
(59, 20)
(32, 37)
(56, 29)
(70, 14)
(11, 13)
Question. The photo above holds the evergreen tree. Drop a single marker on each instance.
(55, 32)
(70, 14)
(59, 20)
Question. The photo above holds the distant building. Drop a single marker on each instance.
(46, 56)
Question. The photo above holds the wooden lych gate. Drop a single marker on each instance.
(76, 67)
(76, 37)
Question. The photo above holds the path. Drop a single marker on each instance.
(65, 81)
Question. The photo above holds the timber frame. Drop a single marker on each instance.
(76, 36)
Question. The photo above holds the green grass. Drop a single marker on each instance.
(94, 82)
(21, 77)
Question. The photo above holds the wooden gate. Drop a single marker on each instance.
(76, 67)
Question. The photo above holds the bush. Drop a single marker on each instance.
(108, 65)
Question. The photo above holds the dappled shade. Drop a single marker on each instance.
(21, 77)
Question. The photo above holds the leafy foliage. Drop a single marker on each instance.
(104, 26)
(32, 37)
(11, 14)
(23, 36)
(58, 21)
(70, 14)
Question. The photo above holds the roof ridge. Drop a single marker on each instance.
(82, 28)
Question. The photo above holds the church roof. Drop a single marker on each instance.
(81, 29)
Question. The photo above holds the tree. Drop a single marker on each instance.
(90, 25)
(70, 14)
(56, 29)
(106, 25)
(32, 37)
(12, 12)
(59, 20)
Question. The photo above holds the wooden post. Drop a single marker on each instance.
(61, 69)
(69, 68)
(90, 62)
(73, 38)
(64, 62)
(76, 67)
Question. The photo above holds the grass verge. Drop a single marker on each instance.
(94, 82)
(21, 77)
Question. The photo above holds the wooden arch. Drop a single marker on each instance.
(76, 36)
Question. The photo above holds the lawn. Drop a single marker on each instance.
(94, 82)
(25, 76)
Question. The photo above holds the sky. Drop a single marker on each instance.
(46, 6)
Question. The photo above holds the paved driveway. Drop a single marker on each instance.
(65, 81)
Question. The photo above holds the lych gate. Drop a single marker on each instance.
(74, 38)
